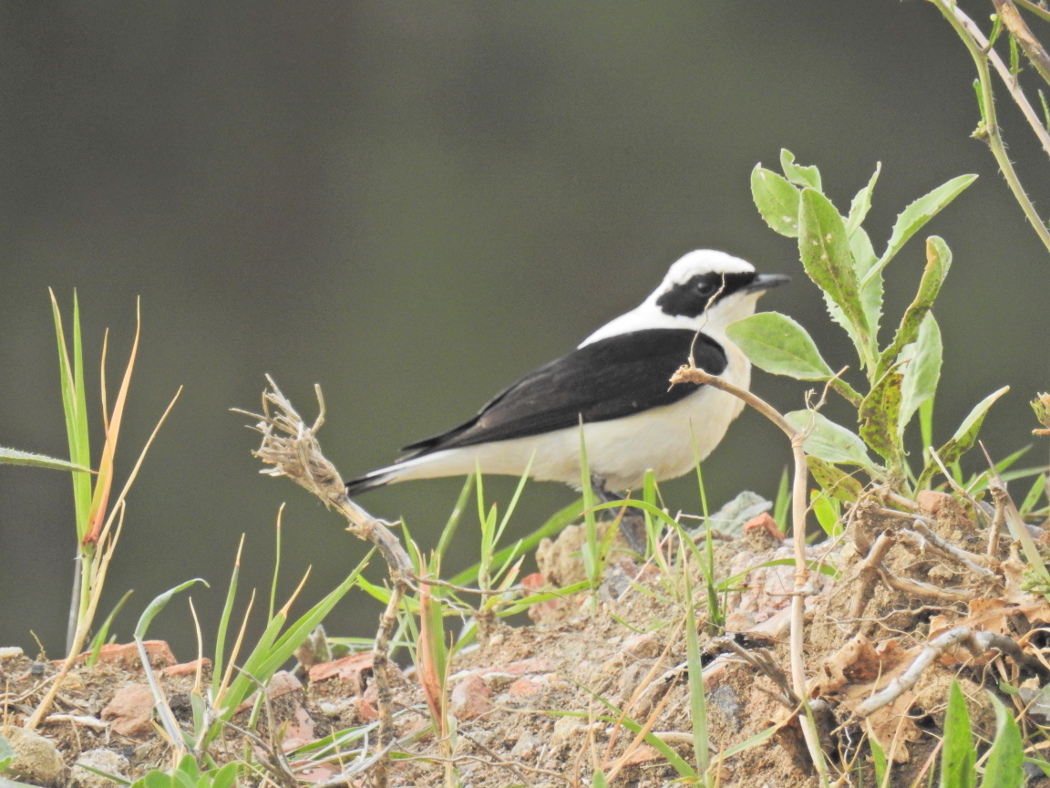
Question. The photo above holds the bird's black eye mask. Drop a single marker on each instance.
(690, 298)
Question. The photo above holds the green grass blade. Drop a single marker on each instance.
(957, 753)
(158, 604)
(218, 668)
(457, 515)
(17, 457)
(697, 696)
(1005, 765)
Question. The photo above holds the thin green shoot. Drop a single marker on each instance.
(455, 517)
(593, 560)
(782, 503)
(1032, 498)
(219, 658)
(555, 525)
(715, 614)
(102, 636)
(697, 696)
(276, 561)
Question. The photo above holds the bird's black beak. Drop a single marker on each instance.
(764, 282)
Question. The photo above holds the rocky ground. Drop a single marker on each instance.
(907, 602)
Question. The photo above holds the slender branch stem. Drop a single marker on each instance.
(976, 43)
(693, 374)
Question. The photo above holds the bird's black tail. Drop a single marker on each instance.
(369, 481)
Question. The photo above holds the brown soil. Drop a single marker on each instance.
(536, 705)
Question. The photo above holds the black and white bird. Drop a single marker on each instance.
(616, 382)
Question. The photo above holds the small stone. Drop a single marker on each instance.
(36, 759)
(186, 668)
(470, 698)
(524, 688)
(104, 761)
(282, 683)
(130, 710)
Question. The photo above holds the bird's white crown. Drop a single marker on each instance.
(696, 263)
(699, 262)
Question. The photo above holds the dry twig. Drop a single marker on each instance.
(977, 643)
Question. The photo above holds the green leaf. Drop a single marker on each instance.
(829, 441)
(1005, 765)
(826, 513)
(912, 218)
(780, 346)
(922, 369)
(16, 457)
(938, 261)
(880, 416)
(776, 199)
(188, 767)
(963, 439)
(828, 261)
(858, 209)
(796, 173)
(158, 604)
(834, 481)
(864, 258)
(157, 779)
(7, 753)
(957, 755)
(226, 776)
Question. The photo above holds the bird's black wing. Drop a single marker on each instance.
(607, 379)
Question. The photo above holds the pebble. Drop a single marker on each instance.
(104, 761)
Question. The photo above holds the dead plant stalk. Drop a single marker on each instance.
(292, 449)
(693, 374)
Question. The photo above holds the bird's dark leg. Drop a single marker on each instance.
(632, 524)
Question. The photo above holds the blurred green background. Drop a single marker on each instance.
(412, 205)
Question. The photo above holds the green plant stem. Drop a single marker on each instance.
(969, 33)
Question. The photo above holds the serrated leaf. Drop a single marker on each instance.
(957, 754)
(880, 415)
(861, 204)
(833, 480)
(780, 346)
(938, 261)
(864, 258)
(912, 218)
(776, 200)
(922, 369)
(828, 440)
(17, 457)
(796, 173)
(1005, 765)
(963, 439)
(828, 261)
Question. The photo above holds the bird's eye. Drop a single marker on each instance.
(706, 289)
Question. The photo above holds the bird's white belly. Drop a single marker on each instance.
(619, 451)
